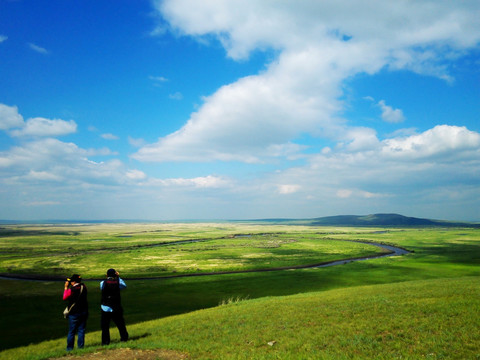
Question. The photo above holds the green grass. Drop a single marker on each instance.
(139, 250)
(442, 260)
(434, 319)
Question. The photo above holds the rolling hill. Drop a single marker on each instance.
(372, 220)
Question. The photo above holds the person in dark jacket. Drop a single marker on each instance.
(75, 292)
(111, 306)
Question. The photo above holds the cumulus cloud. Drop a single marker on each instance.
(319, 45)
(13, 122)
(442, 141)
(447, 154)
(45, 127)
(416, 173)
(48, 160)
(9, 117)
(390, 114)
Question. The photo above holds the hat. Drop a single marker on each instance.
(75, 277)
(111, 272)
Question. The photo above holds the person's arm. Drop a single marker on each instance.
(122, 283)
(67, 292)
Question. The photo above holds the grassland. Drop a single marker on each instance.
(163, 250)
(422, 305)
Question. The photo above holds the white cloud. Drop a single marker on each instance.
(411, 170)
(349, 193)
(136, 175)
(288, 189)
(42, 176)
(38, 49)
(319, 45)
(3, 38)
(45, 127)
(9, 117)
(53, 159)
(13, 122)
(360, 138)
(109, 136)
(447, 142)
(209, 181)
(390, 114)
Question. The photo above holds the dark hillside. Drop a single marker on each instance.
(371, 220)
(385, 220)
(375, 219)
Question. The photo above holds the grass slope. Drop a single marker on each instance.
(433, 319)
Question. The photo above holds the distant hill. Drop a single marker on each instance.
(376, 219)
(371, 220)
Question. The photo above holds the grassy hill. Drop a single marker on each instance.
(432, 319)
(390, 220)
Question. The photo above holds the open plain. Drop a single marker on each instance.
(421, 304)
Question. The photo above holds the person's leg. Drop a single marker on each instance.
(105, 325)
(72, 330)
(82, 325)
(120, 322)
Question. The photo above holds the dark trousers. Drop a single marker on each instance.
(117, 317)
(76, 325)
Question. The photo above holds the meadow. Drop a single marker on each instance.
(423, 304)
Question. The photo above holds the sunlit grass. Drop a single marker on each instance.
(398, 322)
(435, 319)
(165, 249)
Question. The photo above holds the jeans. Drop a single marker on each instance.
(117, 317)
(76, 324)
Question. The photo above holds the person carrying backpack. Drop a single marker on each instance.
(77, 310)
(111, 306)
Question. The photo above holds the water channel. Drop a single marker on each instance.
(391, 251)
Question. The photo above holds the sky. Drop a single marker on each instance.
(239, 109)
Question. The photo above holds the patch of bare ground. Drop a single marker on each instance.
(128, 354)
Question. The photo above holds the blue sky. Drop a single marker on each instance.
(184, 109)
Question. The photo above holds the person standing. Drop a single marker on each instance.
(75, 292)
(111, 306)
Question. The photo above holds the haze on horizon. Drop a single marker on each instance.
(241, 109)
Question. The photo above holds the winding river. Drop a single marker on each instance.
(390, 251)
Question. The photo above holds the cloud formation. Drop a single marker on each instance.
(9, 117)
(12, 121)
(51, 172)
(319, 45)
(45, 127)
(390, 114)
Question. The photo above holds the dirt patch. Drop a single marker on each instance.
(128, 354)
